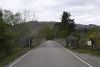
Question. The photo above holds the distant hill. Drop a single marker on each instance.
(81, 26)
(35, 26)
(32, 27)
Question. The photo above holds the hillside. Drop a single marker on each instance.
(81, 26)
(34, 26)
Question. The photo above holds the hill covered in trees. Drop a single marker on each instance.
(36, 25)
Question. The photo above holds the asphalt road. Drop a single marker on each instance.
(50, 54)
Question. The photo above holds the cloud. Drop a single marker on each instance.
(83, 11)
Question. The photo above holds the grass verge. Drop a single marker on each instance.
(7, 59)
(88, 50)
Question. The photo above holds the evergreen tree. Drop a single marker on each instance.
(66, 27)
(67, 24)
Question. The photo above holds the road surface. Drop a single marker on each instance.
(49, 54)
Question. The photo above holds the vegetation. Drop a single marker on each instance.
(4, 37)
(47, 32)
(12, 56)
(95, 35)
(66, 27)
(92, 34)
(88, 50)
(14, 35)
(17, 36)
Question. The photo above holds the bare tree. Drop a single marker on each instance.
(34, 17)
(28, 15)
(25, 15)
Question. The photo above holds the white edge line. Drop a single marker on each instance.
(76, 56)
(19, 59)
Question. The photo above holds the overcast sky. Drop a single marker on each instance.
(83, 11)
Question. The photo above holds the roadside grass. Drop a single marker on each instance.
(84, 50)
(17, 53)
(87, 50)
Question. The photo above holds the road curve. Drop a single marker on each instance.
(49, 54)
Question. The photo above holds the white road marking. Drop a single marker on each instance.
(19, 59)
(76, 56)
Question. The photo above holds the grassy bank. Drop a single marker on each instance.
(85, 50)
(88, 50)
(16, 53)
(7, 59)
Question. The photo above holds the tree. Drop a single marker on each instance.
(72, 26)
(8, 17)
(1, 16)
(17, 18)
(5, 36)
(68, 23)
(47, 32)
(66, 27)
(65, 17)
(11, 18)
(25, 15)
